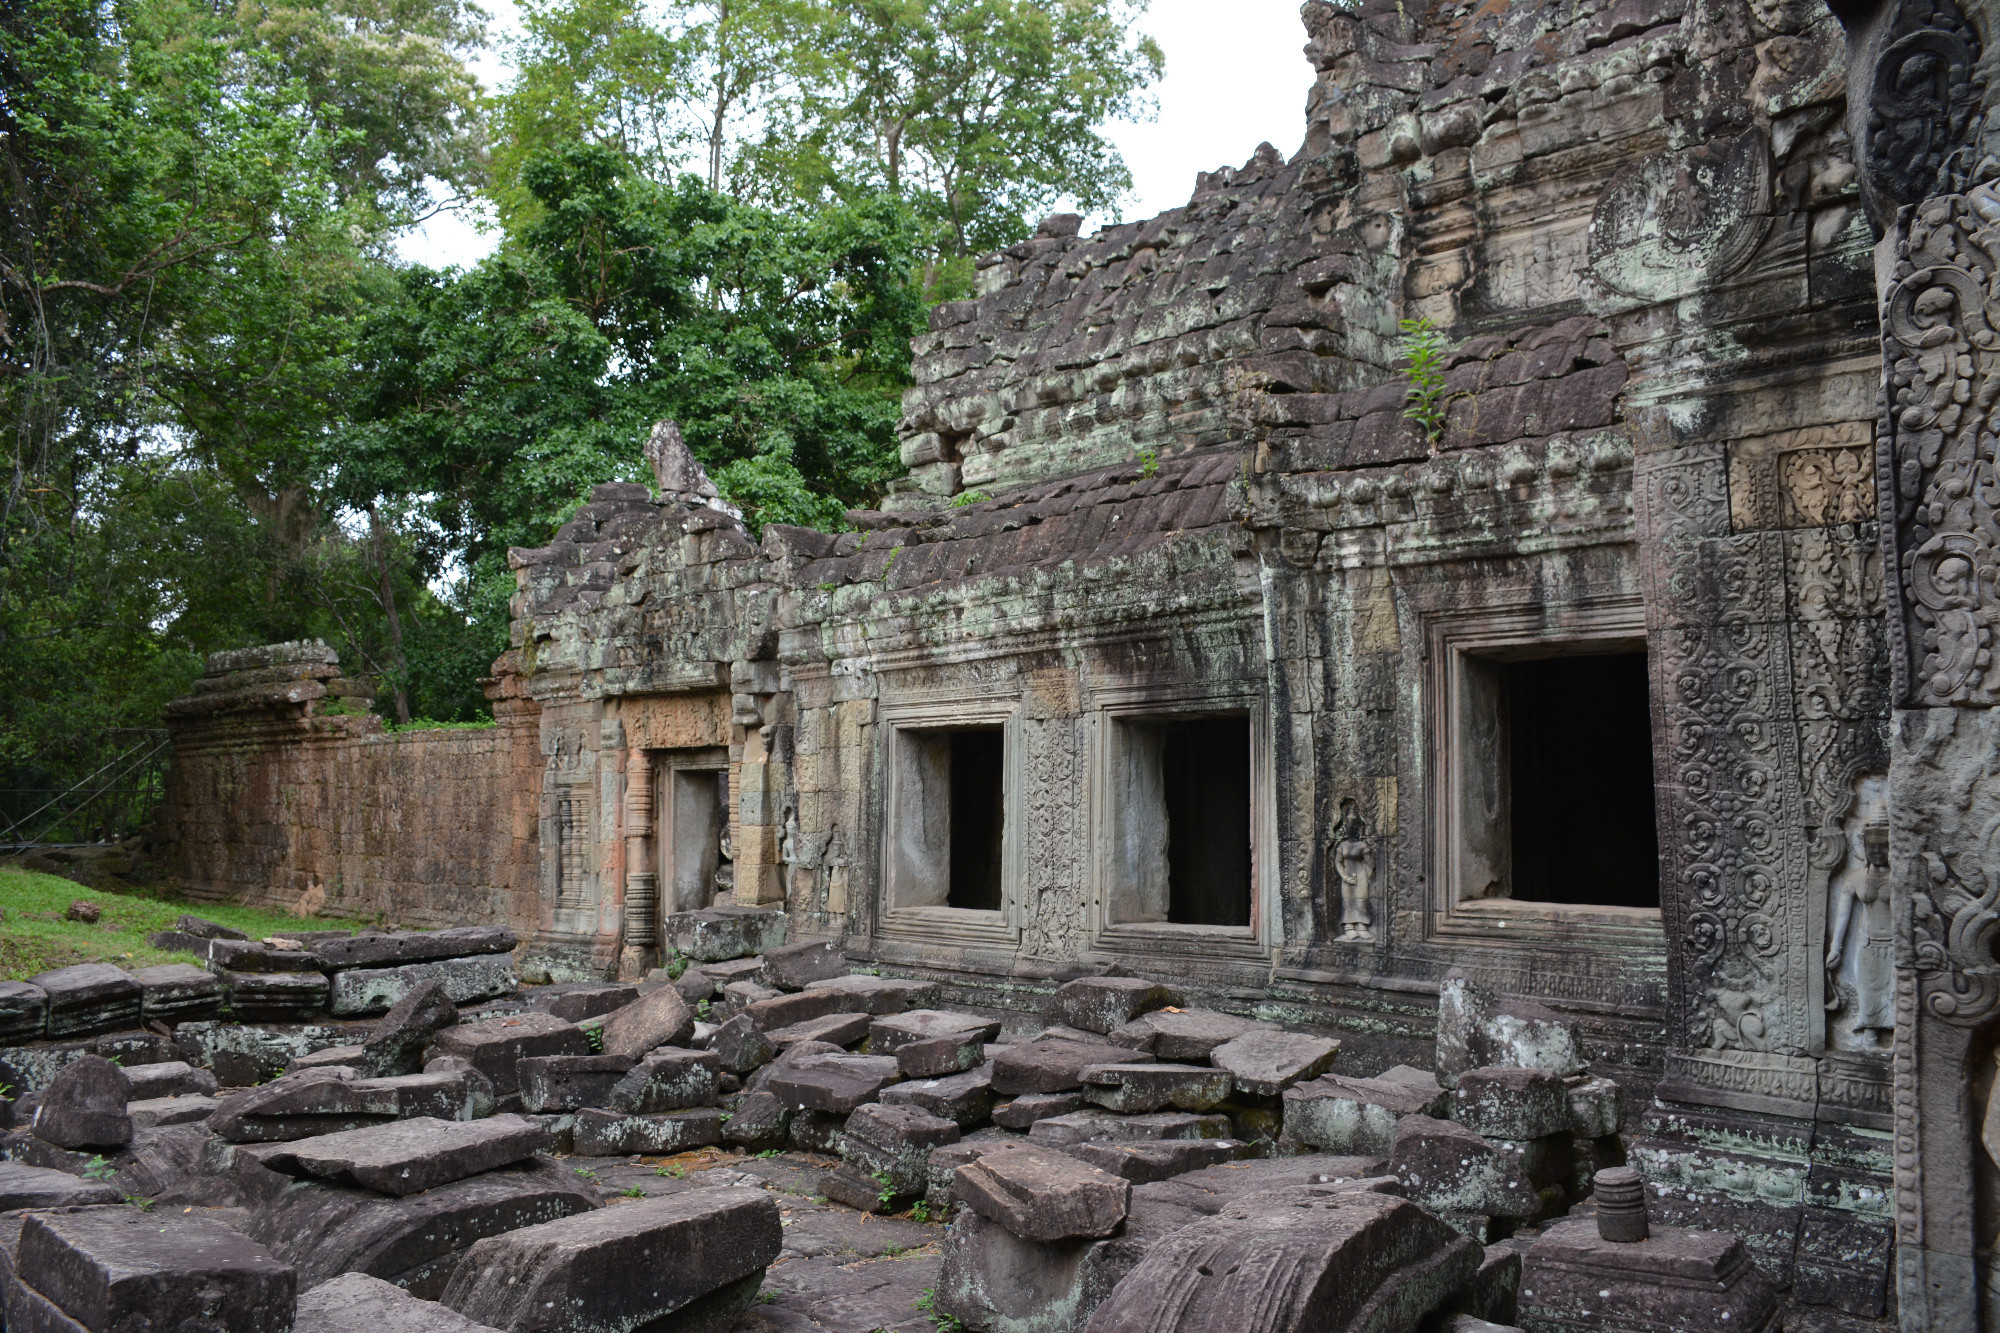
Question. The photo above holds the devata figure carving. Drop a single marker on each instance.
(1354, 865)
(1860, 959)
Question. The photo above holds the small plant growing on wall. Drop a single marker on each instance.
(1424, 349)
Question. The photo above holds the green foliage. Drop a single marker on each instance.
(97, 1168)
(677, 965)
(966, 498)
(920, 1211)
(943, 1323)
(633, 1192)
(768, 1154)
(1424, 350)
(1149, 462)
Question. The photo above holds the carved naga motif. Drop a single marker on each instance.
(1943, 536)
(1920, 110)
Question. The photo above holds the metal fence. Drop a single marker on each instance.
(104, 790)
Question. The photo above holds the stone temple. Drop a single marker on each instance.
(1649, 689)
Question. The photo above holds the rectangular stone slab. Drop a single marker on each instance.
(715, 934)
(376, 990)
(412, 1155)
(835, 1083)
(119, 1269)
(570, 1082)
(1184, 1034)
(176, 992)
(1089, 1125)
(416, 946)
(357, 1303)
(964, 1099)
(621, 1267)
(1140, 1088)
(1149, 1160)
(613, 1134)
(1264, 1064)
(24, 1011)
(1042, 1195)
(834, 1029)
(877, 995)
(23, 1186)
(89, 997)
(268, 997)
(497, 1044)
(1054, 1065)
(1104, 1004)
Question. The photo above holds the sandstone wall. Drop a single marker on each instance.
(273, 803)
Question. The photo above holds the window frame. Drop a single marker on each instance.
(940, 924)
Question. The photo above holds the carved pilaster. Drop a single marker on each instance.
(642, 894)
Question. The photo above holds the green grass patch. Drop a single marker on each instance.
(35, 937)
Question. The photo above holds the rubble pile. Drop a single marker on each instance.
(1130, 1163)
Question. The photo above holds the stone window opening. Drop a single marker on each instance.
(1182, 810)
(1554, 800)
(692, 791)
(948, 819)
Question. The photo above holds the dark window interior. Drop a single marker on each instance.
(1582, 781)
(978, 818)
(1207, 787)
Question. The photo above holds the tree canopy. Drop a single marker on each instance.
(233, 416)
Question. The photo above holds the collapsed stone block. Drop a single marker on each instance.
(714, 934)
(397, 1043)
(832, 1083)
(889, 1034)
(374, 990)
(834, 1030)
(24, 1186)
(895, 1143)
(1301, 1260)
(759, 1122)
(1132, 1089)
(570, 1082)
(160, 1112)
(782, 1011)
(243, 1054)
(1104, 1004)
(409, 1156)
(1511, 1103)
(274, 997)
(1475, 1030)
(89, 997)
(667, 1080)
(256, 956)
(741, 1046)
(601, 1133)
(1265, 1063)
(1042, 1195)
(123, 1269)
(173, 993)
(414, 1240)
(170, 1078)
(1145, 1161)
(1677, 1279)
(815, 1131)
(331, 1099)
(660, 1018)
(964, 1099)
(1053, 1065)
(795, 966)
(84, 1106)
(1024, 1111)
(357, 1303)
(1449, 1169)
(398, 948)
(24, 1011)
(496, 1046)
(1338, 1114)
(877, 995)
(1184, 1034)
(1091, 1125)
(701, 1253)
(1596, 1106)
(575, 1001)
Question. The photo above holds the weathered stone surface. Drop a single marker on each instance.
(661, 1018)
(877, 995)
(498, 1044)
(891, 1033)
(399, 1040)
(714, 934)
(782, 1011)
(24, 1011)
(89, 997)
(170, 993)
(1511, 1103)
(569, 1082)
(1358, 1115)
(1449, 1169)
(159, 1112)
(1184, 1034)
(758, 1122)
(796, 966)
(415, 1240)
(1145, 1161)
(1104, 1004)
(374, 990)
(1042, 1195)
(601, 1133)
(741, 1045)
(115, 1270)
(834, 1029)
(896, 1141)
(409, 1156)
(400, 948)
(575, 1002)
(357, 1303)
(1136, 1089)
(1305, 1258)
(242, 1054)
(331, 1099)
(1596, 1106)
(256, 956)
(84, 1107)
(1024, 1111)
(815, 1131)
(623, 1269)
(1476, 1030)
(964, 1099)
(667, 1080)
(833, 1083)
(1087, 1125)
(1053, 1065)
(274, 997)
(1677, 1280)
(1265, 1063)
(23, 1186)
(171, 1078)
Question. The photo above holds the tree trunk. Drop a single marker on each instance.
(721, 99)
(379, 534)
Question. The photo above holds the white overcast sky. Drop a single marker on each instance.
(1236, 77)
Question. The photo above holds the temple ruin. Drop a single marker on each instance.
(1650, 689)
